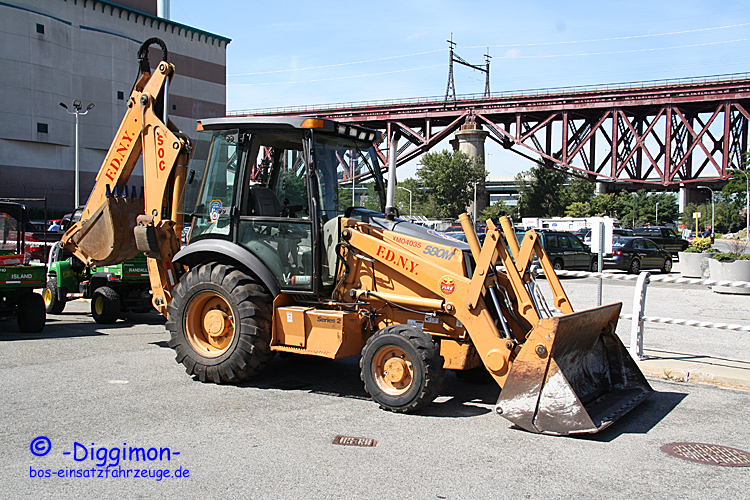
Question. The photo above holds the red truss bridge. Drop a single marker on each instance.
(668, 133)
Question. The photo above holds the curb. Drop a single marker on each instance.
(696, 369)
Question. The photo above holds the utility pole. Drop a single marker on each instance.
(77, 111)
(450, 91)
(747, 206)
(400, 187)
(712, 210)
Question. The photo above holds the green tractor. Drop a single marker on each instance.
(112, 289)
(19, 278)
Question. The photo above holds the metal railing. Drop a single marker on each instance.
(638, 317)
(508, 94)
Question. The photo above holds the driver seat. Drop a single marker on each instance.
(264, 203)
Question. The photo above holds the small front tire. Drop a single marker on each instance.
(52, 303)
(105, 305)
(402, 368)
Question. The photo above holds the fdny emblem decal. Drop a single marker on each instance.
(447, 286)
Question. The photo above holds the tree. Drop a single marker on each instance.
(495, 211)
(540, 191)
(578, 209)
(607, 204)
(580, 190)
(448, 177)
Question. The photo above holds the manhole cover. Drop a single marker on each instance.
(711, 454)
(354, 441)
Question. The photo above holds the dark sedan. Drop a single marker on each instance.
(632, 254)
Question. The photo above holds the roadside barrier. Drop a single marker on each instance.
(639, 303)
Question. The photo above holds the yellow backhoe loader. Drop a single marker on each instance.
(280, 259)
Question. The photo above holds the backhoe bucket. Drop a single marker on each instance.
(106, 237)
(573, 375)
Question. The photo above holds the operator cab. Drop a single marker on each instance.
(277, 187)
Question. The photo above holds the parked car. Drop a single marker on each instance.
(462, 237)
(617, 231)
(664, 237)
(633, 254)
(565, 250)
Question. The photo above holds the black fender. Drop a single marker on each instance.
(198, 251)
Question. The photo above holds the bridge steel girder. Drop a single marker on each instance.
(676, 133)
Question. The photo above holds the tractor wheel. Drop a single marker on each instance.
(635, 266)
(31, 313)
(220, 322)
(105, 305)
(51, 303)
(402, 368)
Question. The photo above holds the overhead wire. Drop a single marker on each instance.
(510, 56)
(650, 35)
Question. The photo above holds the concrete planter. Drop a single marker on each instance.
(693, 265)
(739, 270)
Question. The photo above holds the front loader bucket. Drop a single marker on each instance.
(106, 237)
(573, 375)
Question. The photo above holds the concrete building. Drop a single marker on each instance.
(55, 51)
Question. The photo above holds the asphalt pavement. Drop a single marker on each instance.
(79, 387)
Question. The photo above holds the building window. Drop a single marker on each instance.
(40, 28)
(41, 128)
(174, 107)
(120, 95)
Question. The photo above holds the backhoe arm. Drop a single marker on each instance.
(115, 228)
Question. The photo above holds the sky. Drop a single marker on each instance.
(294, 53)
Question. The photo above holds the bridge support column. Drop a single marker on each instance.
(601, 188)
(470, 141)
(688, 195)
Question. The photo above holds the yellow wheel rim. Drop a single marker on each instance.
(99, 305)
(209, 324)
(47, 296)
(393, 370)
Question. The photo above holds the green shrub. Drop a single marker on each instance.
(701, 244)
(729, 256)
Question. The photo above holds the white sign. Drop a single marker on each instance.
(697, 215)
(598, 225)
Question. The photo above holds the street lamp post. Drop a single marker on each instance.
(747, 206)
(657, 213)
(409, 190)
(712, 210)
(475, 202)
(77, 111)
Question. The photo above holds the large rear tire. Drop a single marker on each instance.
(220, 322)
(31, 313)
(105, 305)
(402, 368)
(52, 303)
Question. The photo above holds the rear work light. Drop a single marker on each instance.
(313, 123)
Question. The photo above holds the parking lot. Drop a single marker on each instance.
(86, 387)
